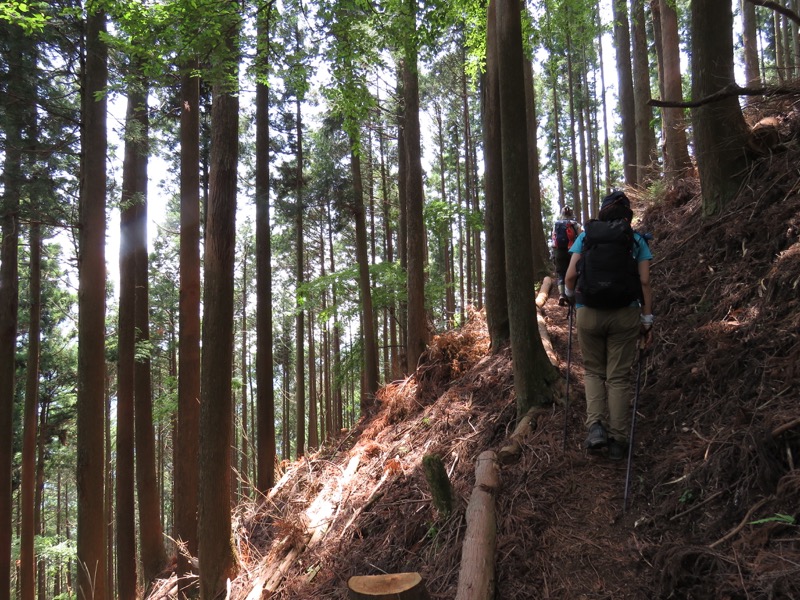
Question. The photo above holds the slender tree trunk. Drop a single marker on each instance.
(9, 293)
(91, 318)
(645, 137)
(538, 241)
(337, 337)
(313, 437)
(126, 357)
(573, 138)
(187, 442)
(402, 209)
(28, 492)
(152, 548)
(218, 560)
(720, 128)
(532, 369)
(264, 353)
(300, 369)
(557, 137)
(417, 336)
(676, 152)
(752, 74)
(627, 107)
(606, 149)
(496, 293)
(365, 288)
(245, 467)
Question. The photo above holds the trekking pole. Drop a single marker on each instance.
(569, 364)
(633, 431)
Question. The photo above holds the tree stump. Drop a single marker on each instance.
(439, 483)
(394, 586)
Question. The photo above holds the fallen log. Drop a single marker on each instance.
(393, 586)
(511, 452)
(476, 579)
(544, 292)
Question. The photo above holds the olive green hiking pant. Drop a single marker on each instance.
(608, 345)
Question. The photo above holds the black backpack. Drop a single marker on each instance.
(608, 274)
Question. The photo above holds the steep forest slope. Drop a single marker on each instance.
(715, 490)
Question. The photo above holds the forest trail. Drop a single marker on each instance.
(715, 492)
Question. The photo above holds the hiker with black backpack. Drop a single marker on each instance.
(565, 231)
(608, 281)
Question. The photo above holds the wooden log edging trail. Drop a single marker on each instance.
(476, 578)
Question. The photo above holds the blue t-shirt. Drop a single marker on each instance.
(641, 252)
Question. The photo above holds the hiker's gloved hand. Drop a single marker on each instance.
(646, 331)
(570, 296)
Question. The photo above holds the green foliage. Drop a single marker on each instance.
(29, 16)
(777, 518)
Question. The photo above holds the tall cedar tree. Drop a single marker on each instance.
(152, 548)
(676, 152)
(417, 330)
(720, 131)
(532, 369)
(216, 551)
(126, 356)
(496, 294)
(92, 315)
(265, 392)
(187, 443)
(20, 119)
(627, 110)
(300, 367)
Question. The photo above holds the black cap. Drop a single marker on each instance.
(615, 198)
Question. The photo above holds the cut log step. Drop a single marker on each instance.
(393, 586)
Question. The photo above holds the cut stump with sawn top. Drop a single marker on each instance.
(393, 586)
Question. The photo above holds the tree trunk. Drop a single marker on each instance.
(27, 563)
(313, 437)
(19, 127)
(496, 293)
(91, 318)
(538, 241)
(752, 74)
(245, 465)
(417, 336)
(627, 107)
(371, 375)
(126, 356)
(187, 442)
(573, 138)
(152, 549)
(265, 402)
(720, 129)
(645, 137)
(300, 367)
(218, 560)
(532, 369)
(402, 209)
(676, 152)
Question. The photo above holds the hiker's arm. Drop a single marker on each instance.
(647, 293)
(571, 278)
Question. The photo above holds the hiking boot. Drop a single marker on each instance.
(617, 449)
(562, 300)
(597, 437)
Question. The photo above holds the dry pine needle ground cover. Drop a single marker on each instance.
(715, 491)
